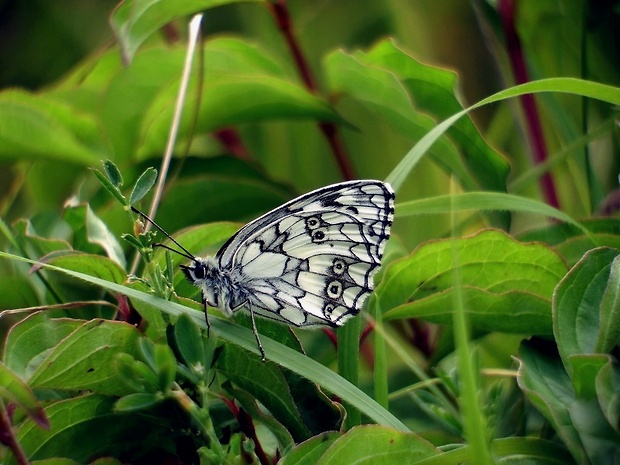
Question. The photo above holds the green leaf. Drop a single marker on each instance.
(249, 403)
(55, 461)
(190, 344)
(32, 339)
(221, 198)
(265, 381)
(310, 452)
(577, 311)
(113, 173)
(90, 233)
(138, 401)
(166, 366)
(17, 291)
(84, 359)
(493, 272)
(29, 239)
(579, 422)
(143, 185)
(231, 100)
(77, 431)
(481, 201)
(608, 390)
(369, 444)
(93, 265)
(433, 91)
(514, 312)
(571, 242)
(545, 383)
(36, 128)
(134, 20)
(243, 337)
(110, 187)
(13, 389)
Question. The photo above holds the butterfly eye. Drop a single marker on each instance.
(199, 270)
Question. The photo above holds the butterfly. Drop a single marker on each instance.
(309, 262)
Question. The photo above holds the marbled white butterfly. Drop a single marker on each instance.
(309, 262)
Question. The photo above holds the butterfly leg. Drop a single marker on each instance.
(255, 331)
(204, 306)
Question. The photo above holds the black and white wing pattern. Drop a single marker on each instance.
(310, 261)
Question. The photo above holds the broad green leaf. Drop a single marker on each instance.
(56, 461)
(545, 383)
(380, 91)
(249, 403)
(584, 371)
(244, 338)
(309, 452)
(93, 265)
(90, 233)
(229, 100)
(265, 381)
(571, 241)
(30, 240)
(32, 339)
(217, 198)
(577, 312)
(434, 91)
(579, 422)
(370, 444)
(143, 185)
(481, 201)
(13, 389)
(608, 390)
(135, 20)
(36, 128)
(84, 359)
(609, 335)
(515, 312)
(17, 291)
(494, 272)
(77, 427)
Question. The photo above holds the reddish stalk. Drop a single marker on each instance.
(282, 16)
(507, 11)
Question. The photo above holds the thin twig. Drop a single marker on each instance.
(194, 29)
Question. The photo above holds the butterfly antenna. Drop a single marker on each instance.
(187, 253)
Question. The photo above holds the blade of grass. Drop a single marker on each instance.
(574, 86)
(244, 337)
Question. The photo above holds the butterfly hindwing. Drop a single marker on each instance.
(312, 260)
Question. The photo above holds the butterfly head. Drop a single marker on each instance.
(205, 274)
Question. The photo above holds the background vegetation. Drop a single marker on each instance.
(493, 333)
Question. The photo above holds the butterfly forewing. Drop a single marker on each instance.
(312, 260)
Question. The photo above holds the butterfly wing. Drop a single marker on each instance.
(312, 260)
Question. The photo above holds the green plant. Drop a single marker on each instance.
(105, 356)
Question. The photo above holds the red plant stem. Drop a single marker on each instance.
(7, 437)
(507, 11)
(283, 20)
(247, 427)
(229, 137)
